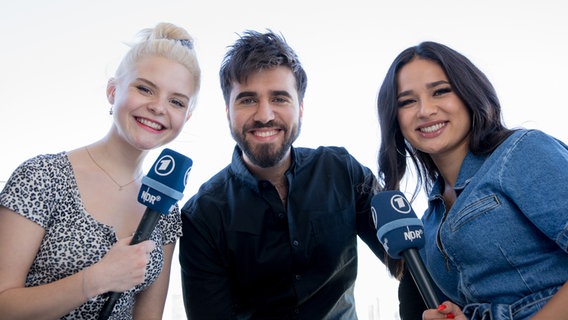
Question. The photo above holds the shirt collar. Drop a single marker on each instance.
(241, 171)
(469, 167)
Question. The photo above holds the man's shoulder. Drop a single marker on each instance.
(328, 154)
(321, 152)
(210, 191)
(217, 181)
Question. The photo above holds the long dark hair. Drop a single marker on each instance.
(472, 87)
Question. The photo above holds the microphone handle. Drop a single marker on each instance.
(147, 224)
(421, 277)
(146, 227)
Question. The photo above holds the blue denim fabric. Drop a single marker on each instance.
(522, 309)
(503, 245)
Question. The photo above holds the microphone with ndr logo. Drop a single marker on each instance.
(161, 189)
(401, 233)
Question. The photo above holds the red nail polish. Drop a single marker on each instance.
(450, 316)
(442, 307)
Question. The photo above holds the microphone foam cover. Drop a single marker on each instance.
(163, 187)
(398, 227)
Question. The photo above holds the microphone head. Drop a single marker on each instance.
(398, 227)
(163, 187)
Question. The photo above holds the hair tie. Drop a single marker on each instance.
(186, 43)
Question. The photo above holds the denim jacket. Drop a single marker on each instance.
(501, 251)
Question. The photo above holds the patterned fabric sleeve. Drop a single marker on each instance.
(29, 190)
(170, 224)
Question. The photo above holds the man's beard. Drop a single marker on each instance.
(266, 155)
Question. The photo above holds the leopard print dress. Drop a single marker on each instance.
(43, 189)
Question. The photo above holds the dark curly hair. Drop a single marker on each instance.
(255, 51)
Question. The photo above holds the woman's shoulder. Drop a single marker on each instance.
(533, 139)
(52, 160)
(530, 148)
(41, 170)
(34, 186)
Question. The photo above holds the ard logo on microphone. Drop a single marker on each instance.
(400, 204)
(165, 165)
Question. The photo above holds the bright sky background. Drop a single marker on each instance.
(57, 56)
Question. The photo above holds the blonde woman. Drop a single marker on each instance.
(66, 219)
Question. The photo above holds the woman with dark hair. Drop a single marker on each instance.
(496, 225)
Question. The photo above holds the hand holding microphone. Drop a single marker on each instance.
(123, 266)
(161, 189)
(401, 233)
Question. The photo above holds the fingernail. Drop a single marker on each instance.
(450, 316)
(442, 307)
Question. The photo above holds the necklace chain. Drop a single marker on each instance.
(120, 187)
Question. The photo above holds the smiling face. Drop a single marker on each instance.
(150, 102)
(265, 116)
(431, 116)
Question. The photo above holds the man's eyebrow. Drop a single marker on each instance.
(245, 94)
(281, 93)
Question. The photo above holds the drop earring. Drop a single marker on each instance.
(110, 111)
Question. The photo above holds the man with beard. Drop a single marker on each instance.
(274, 234)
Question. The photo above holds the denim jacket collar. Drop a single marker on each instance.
(468, 169)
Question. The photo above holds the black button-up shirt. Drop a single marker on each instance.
(245, 255)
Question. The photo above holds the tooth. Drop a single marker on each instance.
(150, 124)
(265, 134)
(432, 128)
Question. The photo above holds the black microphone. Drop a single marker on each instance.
(401, 233)
(161, 189)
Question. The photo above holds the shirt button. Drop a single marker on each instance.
(295, 243)
(281, 215)
(298, 277)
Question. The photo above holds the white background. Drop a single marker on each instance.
(56, 57)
